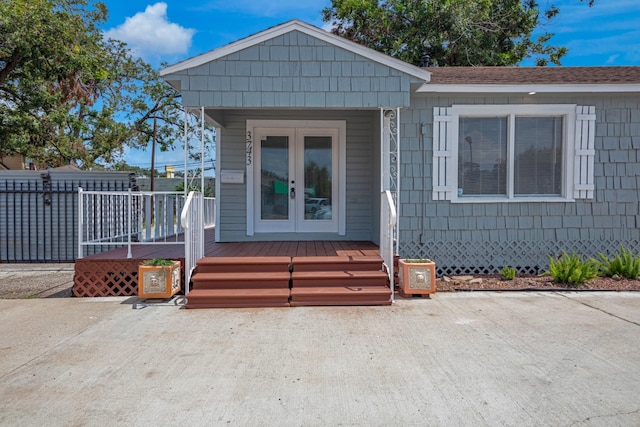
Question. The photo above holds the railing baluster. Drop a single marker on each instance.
(387, 226)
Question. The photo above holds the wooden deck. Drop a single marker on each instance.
(111, 273)
(243, 249)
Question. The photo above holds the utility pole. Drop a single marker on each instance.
(153, 151)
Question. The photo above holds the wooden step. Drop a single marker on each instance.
(336, 263)
(346, 295)
(325, 279)
(241, 280)
(243, 264)
(266, 281)
(238, 298)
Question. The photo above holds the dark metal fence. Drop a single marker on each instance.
(39, 213)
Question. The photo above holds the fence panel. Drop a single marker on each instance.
(38, 213)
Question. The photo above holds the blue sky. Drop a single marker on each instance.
(173, 30)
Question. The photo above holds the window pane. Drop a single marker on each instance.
(538, 156)
(482, 156)
(275, 178)
(317, 178)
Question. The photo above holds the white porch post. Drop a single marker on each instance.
(390, 157)
(202, 150)
(389, 187)
(202, 175)
(186, 149)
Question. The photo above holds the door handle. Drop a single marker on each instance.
(292, 193)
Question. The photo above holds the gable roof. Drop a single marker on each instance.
(309, 30)
(533, 79)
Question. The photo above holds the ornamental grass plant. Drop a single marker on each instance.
(623, 264)
(572, 270)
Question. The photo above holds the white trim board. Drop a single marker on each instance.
(528, 88)
(304, 28)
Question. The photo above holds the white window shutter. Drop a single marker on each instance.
(442, 154)
(584, 152)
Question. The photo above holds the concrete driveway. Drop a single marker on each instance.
(473, 359)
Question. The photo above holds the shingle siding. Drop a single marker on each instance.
(488, 235)
(299, 63)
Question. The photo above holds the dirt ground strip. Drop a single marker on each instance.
(36, 280)
(521, 283)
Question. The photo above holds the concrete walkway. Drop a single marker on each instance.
(473, 359)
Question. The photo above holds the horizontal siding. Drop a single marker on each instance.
(361, 180)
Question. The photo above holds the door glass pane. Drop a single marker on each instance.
(482, 156)
(538, 156)
(274, 169)
(317, 178)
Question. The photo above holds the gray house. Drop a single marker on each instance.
(486, 166)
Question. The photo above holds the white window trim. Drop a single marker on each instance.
(567, 111)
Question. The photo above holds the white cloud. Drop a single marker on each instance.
(327, 26)
(612, 59)
(150, 33)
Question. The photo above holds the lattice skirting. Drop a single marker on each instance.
(528, 257)
(105, 278)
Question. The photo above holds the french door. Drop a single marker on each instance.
(296, 179)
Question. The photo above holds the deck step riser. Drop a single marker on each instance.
(304, 268)
(218, 303)
(244, 265)
(235, 303)
(338, 282)
(239, 284)
(281, 281)
(241, 280)
(245, 268)
(336, 263)
(337, 302)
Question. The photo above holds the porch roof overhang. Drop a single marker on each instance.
(287, 27)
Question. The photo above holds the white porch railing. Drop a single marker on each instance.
(209, 212)
(193, 222)
(388, 221)
(117, 218)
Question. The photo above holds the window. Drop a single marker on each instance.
(513, 153)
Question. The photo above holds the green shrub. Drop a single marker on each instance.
(571, 269)
(508, 273)
(157, 262)
(623, 264)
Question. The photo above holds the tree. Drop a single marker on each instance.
(67, 94)
(448, 32)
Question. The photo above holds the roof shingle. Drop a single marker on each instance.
(534, 75)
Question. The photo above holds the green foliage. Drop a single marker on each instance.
(572, 269)
(623, 264)
(208, 191)
(64, 89)
(157, 262)
(508, 273)
(450, 32)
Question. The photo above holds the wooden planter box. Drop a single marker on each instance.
(159, 281)
(416, 278)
